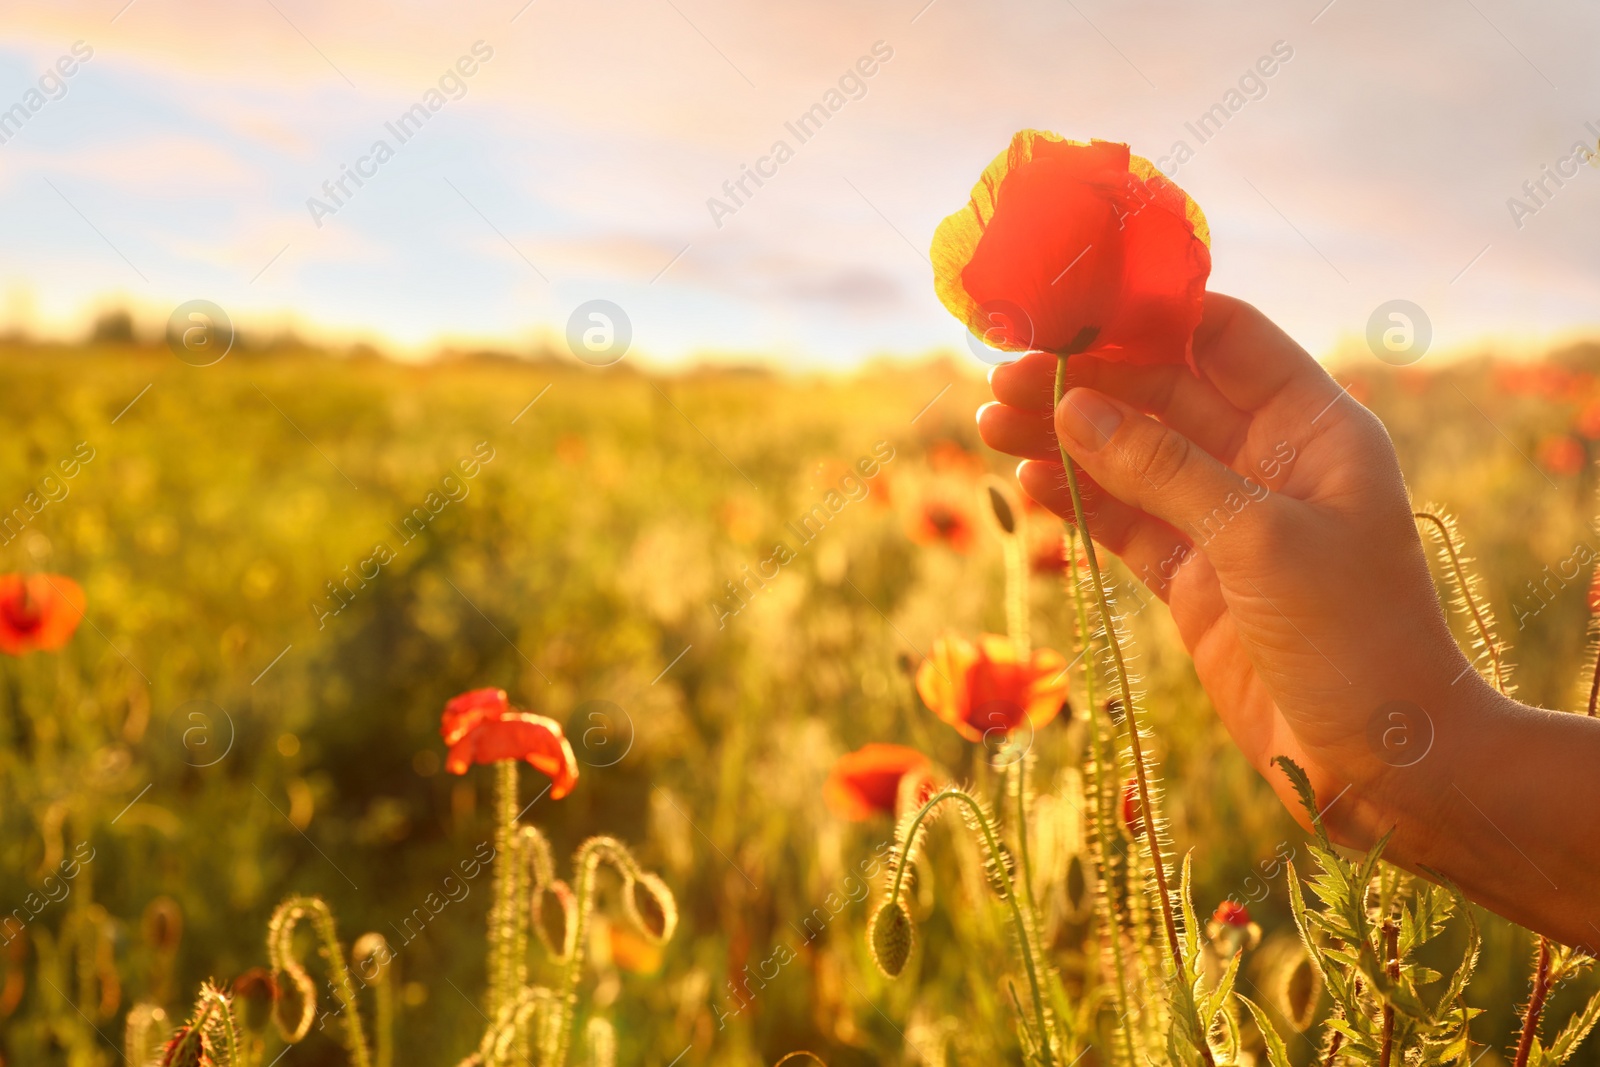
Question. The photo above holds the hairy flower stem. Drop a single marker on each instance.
(1594, 684)
(1530, 1018)
(1103, 792)
(503, 909)
(1019, 786)
(1024, 935)
(1485, 630)
(1152, 842)
(1391, 955)
(1017, 630)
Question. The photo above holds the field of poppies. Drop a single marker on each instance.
(276, 629)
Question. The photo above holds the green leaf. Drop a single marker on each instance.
(1191, 926)
(1308, 796)
(1218, 997)
(1577, 1028)
(1277, 1054)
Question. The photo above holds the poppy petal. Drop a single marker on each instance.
(464, 713)
(866, 782)
(521, 735)
(1063, 244)
(38, 612)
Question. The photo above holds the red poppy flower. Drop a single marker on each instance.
(38, 611)
(943, 522)
(1561, 454)
(1232, 913)
(1049, 556)
(866, 782)
(987, 687)
(1131, 817)
(1588, 421)
(481, 726)
(1066, 246)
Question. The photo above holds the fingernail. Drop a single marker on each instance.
(1088, 418)
(985, 407)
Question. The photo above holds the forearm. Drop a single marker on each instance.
(1506, 804)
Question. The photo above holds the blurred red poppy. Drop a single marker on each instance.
(1131, 817)
(38, 611)
(987, 686)
(1588, 421)
(943, 522)
(866, 782)
(1560, 453)
(1231, 913)
(1066, 246)
(481, 726)
(946, 456)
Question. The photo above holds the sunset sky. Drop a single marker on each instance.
(577, 160)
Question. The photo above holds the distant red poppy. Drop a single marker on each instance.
(985, 687)
(38, 611)
(1588, 421)
(1560, 453)
(939, 521)
(951, 457)
(1232, 913)
(1131, 817)
(481, 726)
(1048, 557)
(866, 782)
(1065, 246)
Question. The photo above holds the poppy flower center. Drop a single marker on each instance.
(22, 612)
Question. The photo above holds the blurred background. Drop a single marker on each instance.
(225, 729)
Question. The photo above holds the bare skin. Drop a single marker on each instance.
(1266, 507)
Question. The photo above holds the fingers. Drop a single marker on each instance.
(1171, 392)
(1021, 432)
(1152, 550)
(1154, 469)
(1251, 362)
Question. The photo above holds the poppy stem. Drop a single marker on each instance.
(503, 910)
(1099, 743)
(1530, 1018)
(1152, 842)
(1594, 682)
(1016, 556)
(1025, 936)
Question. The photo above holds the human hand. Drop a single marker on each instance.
(1266, 506)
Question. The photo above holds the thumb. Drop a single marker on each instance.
(1151, 466)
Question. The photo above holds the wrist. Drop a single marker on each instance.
(1419, 751)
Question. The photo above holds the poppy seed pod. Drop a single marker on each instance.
(1302, 989)
(1002, 510)
(650, 907)
(891, 937)
(555, 918)
(162, 925)
(296, 1004)
(370, 956)
(255, 992)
